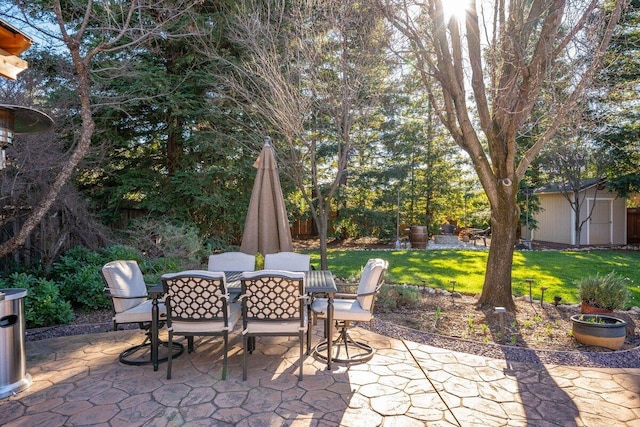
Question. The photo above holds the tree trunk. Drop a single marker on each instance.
(577, 225)
(63, 176)
(323, 222)
(496, 291)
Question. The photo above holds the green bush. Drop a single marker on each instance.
(159, 239)
(43, 305)
(153, 269)
(114, 252)
(85, 288)
(78, 274)
(395, 297)
(609, 291)
(80, 281)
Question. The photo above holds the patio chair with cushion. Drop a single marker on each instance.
(288, 261)
(126, 288)
(198, 305)
(349, 308)
(232, 261)
(273, 304)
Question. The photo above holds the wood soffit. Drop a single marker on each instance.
(12, 43)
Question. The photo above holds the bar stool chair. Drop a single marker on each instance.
(126, 288)
(349, 308)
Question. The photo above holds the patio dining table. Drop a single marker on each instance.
(316, 282)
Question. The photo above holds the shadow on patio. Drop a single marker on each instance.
(78, 380)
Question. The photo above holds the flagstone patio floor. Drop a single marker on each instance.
(78, 380)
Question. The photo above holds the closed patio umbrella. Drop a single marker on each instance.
(266, 229)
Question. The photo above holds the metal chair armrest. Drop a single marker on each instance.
(110, 295)
(343, 296)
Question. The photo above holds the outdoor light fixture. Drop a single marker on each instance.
(15, 120)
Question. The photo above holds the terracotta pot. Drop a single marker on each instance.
(590, 309)
(599, 330)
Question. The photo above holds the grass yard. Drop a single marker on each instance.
(555, 270)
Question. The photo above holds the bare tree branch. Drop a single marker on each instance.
(112, 30)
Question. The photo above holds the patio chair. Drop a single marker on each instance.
(349, 308)
(273, 304)
(126, 288)
(232, 261)
(287, 261)
(198, 305)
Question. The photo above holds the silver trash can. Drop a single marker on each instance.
(13, 363)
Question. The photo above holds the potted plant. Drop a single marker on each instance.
(603, 294)
(599, 330)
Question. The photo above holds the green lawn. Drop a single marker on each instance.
(556, 270)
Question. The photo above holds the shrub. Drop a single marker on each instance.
(78, 274)
(43, 305)
(608, 292)
(85, 288)
(259, 261)
(114, 252)
(408, 296)
(153, 269)
(386, 300)
(394, 297)
(159, 239)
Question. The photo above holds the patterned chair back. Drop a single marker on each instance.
(272, 295)
(196, 296)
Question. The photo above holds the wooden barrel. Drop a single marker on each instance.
(418, 236)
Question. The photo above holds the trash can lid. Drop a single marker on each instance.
(11, 294)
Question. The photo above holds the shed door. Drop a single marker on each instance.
(600, 223)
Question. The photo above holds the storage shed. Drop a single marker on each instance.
(556, 221)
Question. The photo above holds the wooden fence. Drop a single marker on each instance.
(633, 225)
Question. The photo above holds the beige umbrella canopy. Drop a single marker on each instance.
(266, 229)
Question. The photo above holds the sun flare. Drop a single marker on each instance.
(455, 9)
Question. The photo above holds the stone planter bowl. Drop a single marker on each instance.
(599, 330)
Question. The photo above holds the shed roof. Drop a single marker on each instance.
(12, 43)
(559, 187)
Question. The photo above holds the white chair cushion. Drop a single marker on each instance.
(201, 273)
(124, 279)
(289, 261)
(140, 313)
(235, 312)
(283, 327)
(343, 309)
(369, 281)
(232, 261)
(298, 275)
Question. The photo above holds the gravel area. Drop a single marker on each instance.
(89, 322)
(607, 359)
(67, 330)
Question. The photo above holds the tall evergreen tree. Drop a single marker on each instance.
(85, 30)
(313, 71)
(618, 107)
